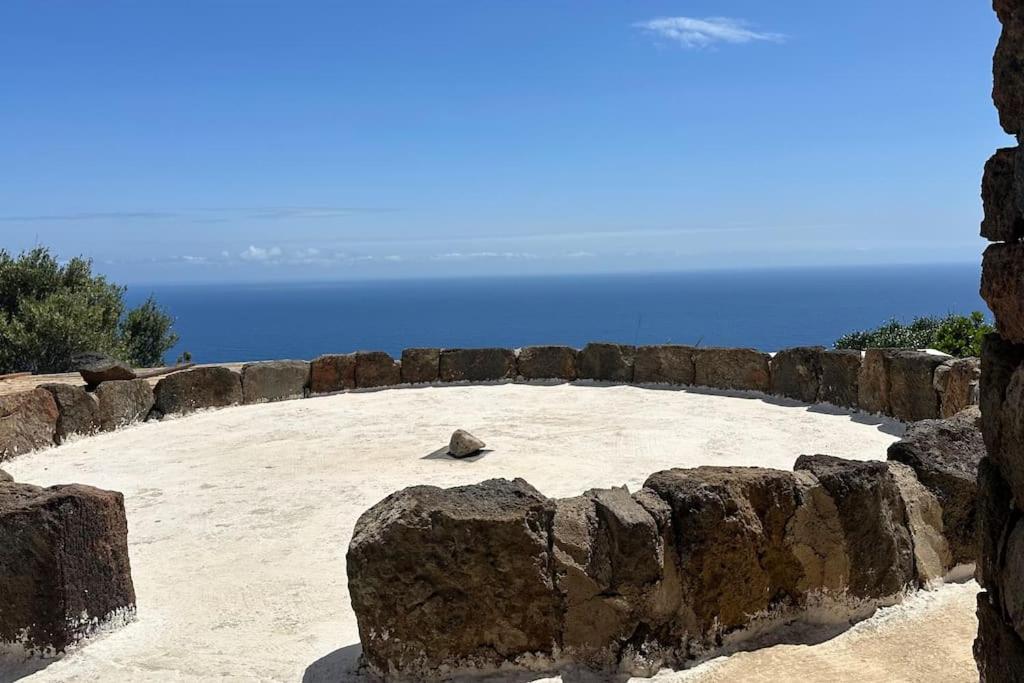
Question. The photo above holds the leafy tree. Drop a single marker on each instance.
(957, 335)
(49, 312)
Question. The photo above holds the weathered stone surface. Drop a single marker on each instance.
(122, 402)
(420, 365)
(1010, 584)
(1008, 72)
(28, 420)
(731, 548)
(78, 410)
(874, 522)
(912, 394)
(999, 360)
(97, 367)
(796, 373)
(945, 455)
(5, 477)
(932, 556)
(606, 362)
(331, 373)
(995, 512)
(840, 376)
(191, 390)
(443, 580)
(998, 650)
(274, 380)
(463, 444)
(959, 385)
(873, 382)
(376, 369)
(1002, 287)
(64, 566)
(735, 369)
(477, 365)
(1010, 455)
(1003, 221)
(547, 362)
(664, 364)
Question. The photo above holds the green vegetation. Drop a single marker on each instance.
(51, 311)
(957, 335)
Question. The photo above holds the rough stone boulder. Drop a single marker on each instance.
(664, 364)
(275, 380)
(1003, 221)
(932, 556)
(912, 394)
(873, 381)
(97, 367)
(1000, 359)
(420, 365)
(463, 444)
(734, 556)
(998, 649)
(122, 402)
(477, 365)
(995, 514)
(874, 521)
(1009, 435)
(945, 455)
(606, 362)
(28, 420)
(840, 374)
(1002, 287)
(191, 390)
(332, 373)
(64, 567)
(956, 381)
(78, 410)
(732, 369)
(5, 477)
(376, 369)
(443, 580)
(796, 373)
(547, 362)
(1008, 68)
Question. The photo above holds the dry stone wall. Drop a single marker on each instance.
(908, 385)
(999, 648)
(495, 576)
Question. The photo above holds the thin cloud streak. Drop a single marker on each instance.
(699, 33)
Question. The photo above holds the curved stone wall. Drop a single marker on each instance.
(905, 384)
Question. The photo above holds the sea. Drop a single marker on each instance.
(764, 309)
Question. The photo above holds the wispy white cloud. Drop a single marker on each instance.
(698, 33)
(263, 254)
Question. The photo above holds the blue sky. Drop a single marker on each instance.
(204, 141)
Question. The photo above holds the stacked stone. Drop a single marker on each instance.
(999, 649)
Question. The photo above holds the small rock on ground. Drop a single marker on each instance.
(463, 444)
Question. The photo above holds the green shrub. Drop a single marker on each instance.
(957, 335)
(51, 311)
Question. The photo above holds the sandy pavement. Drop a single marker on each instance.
(239, 519)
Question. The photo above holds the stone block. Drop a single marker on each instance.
(477, 365)
(275, 380)
(190, 390)
(664, 364)
(78, 410)
(547, 362)
(420, 365)
(122, 402)
(840, 376)
(606, 362)
(28, 420)
(796, 373)
(732, 369)
(332, 373)
(376, 369)
(1003, 221)
(1002, 287)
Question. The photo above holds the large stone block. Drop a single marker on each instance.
(912, 394)
(664, 364)
(96, 368)
(28, 420)
(1002, 287)
(873, 382)
(874, 522)
(995, 514)
(1003, 221)
(1008, 74)
(840, 376)
(932, 556)
(547, 362)
(732, 369)
(1010, 582)
(945, 455)
(122, 402)
(1010, 454)
(998, 649)
(958, 386)
(332, 373)
(64, 567)
(274, 380)
(78, 410)
(195, 389)
(796, 373)
(445, 580)
(376, 369)
(999, 360)
(606, 362)
(420, 366)
(477, 365)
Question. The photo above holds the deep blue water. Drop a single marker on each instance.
(764, 309)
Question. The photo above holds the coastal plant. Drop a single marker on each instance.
(957, 335)
(51, 311)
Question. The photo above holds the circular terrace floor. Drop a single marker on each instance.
(239, 519)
